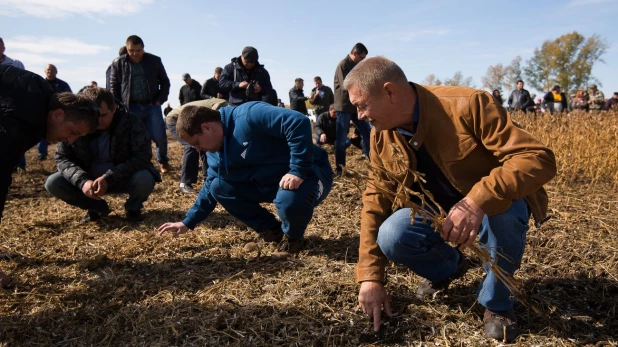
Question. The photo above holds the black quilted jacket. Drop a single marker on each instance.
(130, 150)
(24, 102)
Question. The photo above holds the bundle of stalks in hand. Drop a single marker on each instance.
(425, 206)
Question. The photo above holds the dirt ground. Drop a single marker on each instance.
(116, 284)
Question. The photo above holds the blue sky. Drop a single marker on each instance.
(300, 38)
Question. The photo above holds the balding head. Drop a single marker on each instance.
(381, 93)
(370, 75)
(50, 72)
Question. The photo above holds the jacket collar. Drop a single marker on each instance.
(426, 100)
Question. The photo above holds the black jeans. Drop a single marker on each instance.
(190, 159)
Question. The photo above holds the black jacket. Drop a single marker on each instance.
(342, 98)
(322, 103)
(326, 125)
(549, 98)
(131, 151)
(271, 98)
(191, 92)
(234, 73)
(519, 99)
(24, 104)
(211, 88)
(297, 100)
(120, 78)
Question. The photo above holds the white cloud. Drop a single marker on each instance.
(66, 8)
(52, 45)
(589, 2)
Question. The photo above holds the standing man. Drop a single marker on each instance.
(245, 79)
(190, 156)
(31, 111)
(59, 86)
(519, 98)
(345, 110)
(257, 153)
(139, 80)
(190, 91)
(596, 99)
(321, 96)
(612, 103)
(116, 158)
(480, 167)
(211, 87)
(297, 97)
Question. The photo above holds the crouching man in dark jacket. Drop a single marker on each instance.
(256, 153)
(29, 112)
(245, 79)
(116, 158)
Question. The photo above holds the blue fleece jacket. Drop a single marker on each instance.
(261, 144)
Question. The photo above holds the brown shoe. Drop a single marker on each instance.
(428, 288)
(165, 168)
(501, 326)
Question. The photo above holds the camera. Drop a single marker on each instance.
(251, 93)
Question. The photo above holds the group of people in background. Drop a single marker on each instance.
(556, 101)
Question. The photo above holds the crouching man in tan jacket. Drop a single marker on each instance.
(481, 168)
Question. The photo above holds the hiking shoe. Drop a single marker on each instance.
(501, 326)
(287, 245)
(187, 188)
(165, 168)
(93, 216)
(428, 288)
(134, 216)
(273, 235)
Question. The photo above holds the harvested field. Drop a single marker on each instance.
(114, 284)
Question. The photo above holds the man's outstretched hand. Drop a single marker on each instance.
(372, 297)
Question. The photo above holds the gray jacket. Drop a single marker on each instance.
(131, 151)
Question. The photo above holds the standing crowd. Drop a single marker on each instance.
(482, 169)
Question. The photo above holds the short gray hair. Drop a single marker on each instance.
(370, 75)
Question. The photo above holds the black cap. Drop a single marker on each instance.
(250, 54)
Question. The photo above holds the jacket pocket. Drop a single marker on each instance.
(465, 145)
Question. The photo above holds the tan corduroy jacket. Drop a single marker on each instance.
(479, 149)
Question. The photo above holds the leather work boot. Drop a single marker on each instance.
(187, 188)
(428, 288)
(501, 326)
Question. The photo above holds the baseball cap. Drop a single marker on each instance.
(593, 86)
(250, 54)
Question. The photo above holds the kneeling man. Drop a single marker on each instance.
(256, 153)
(114, 159)
(479, 166)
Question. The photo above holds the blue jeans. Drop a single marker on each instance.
(139, 186)
(190, 159)
(343, 127)
(42, 147)
(22, 161)
(294, 207)
(420, 248)
(153, 118)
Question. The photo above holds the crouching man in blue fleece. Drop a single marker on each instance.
(256, 153)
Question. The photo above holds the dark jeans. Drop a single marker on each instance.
(419, 247)
(294, 207)
(343, 127)
(139, 186)
(153, 118)
(190, 159)
(42, 147)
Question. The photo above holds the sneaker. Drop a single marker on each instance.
(288, 245)
(274, 235)
(501, 326)
(165, 168)
(93, 216)
(428, 288)
(134, 216)
(187, 188)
